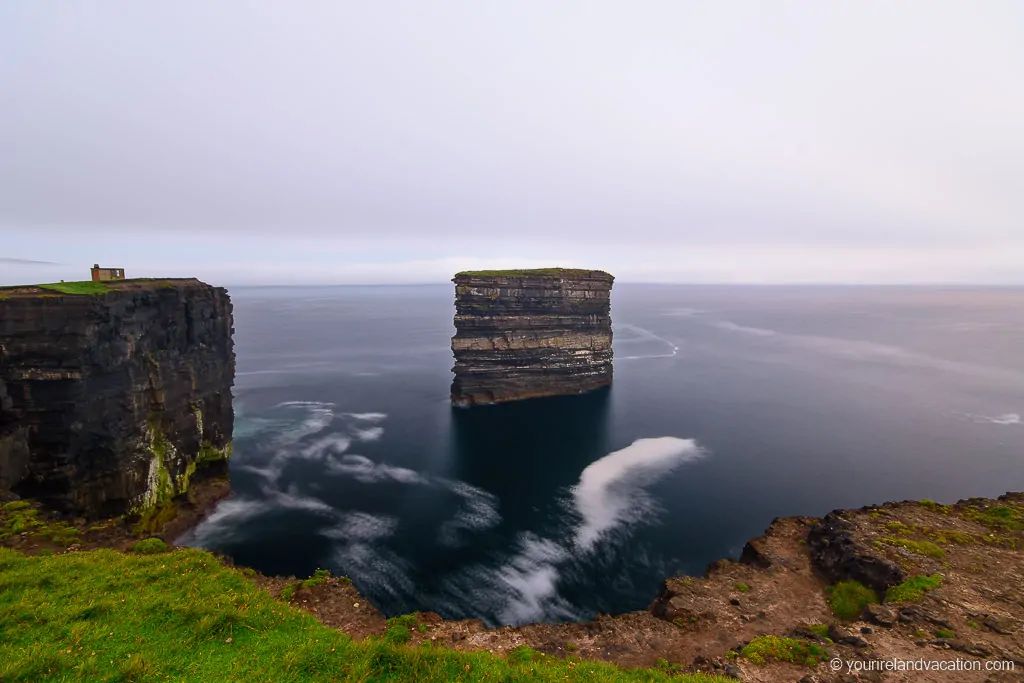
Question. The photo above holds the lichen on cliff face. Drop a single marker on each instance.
(530, 333)
(112, 403)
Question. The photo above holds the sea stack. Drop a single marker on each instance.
(114, 396)
(530, 333)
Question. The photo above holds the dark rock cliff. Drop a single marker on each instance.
(112, 403)
(530, 333)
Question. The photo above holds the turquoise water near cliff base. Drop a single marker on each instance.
(730, 406)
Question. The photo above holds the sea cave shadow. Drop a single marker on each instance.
(527, 452)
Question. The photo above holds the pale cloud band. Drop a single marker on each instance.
(398, 142)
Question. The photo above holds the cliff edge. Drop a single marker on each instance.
(530, 333)
(114, 396)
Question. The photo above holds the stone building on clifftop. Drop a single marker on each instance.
(530, 333)
(106, 274)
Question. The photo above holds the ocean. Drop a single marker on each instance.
(731, 405)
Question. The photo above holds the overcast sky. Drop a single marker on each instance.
(370, 142)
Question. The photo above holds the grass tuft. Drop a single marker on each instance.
(319, 577)
(741, 587)
(926, 548)
(820, 630)
(149, 546)
(847, 599)
(764, 649)
(913, 589)
(287, 592)
(397, 635)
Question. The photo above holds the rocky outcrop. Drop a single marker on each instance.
(844, 554)
(530, 333)
(113, 402)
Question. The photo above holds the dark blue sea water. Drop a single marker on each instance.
(730, 406)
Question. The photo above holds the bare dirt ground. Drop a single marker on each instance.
(778, 587)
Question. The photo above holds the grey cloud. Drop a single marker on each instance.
(27, 262)
(656, 124)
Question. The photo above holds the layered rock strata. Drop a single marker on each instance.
(529, 333)
(113, 402)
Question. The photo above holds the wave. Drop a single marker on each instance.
(333, 443)
(359, 553)
(531, 578)
(646, 334)
(479, 512)
(366, 417)
(361, 526)
(1004, 419)
(222, 524)
(366, 471)
(368, 434)
(859, 350)
(610, 492)
(319, 417)
(296, 443)
(610, 496)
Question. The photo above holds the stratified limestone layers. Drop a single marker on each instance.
(111, 402)
(529, 333)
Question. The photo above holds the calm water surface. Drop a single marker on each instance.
(731, 406)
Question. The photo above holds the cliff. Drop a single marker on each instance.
(114, 396)
(529, 333)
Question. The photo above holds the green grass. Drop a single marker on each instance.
(149, 546)
(531, 272)
(19, 517)
(741, 587)
(397, 635)
(764, 649)
(319, 577)
(913, 589)
(847, 599)
(926, 548)
(935, 507)
(820, 630)
(944, 633)
(288, 591)
(1002, 517)
(409, 621)
(107, 616)
(83, 287)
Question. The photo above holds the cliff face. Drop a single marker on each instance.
(530, 333)
(110, 403)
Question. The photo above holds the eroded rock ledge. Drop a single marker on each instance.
(530, 333)
(114, 402)
(779, 588)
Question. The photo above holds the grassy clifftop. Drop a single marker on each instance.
(92, 287)
(534, 272)
(182, 615)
